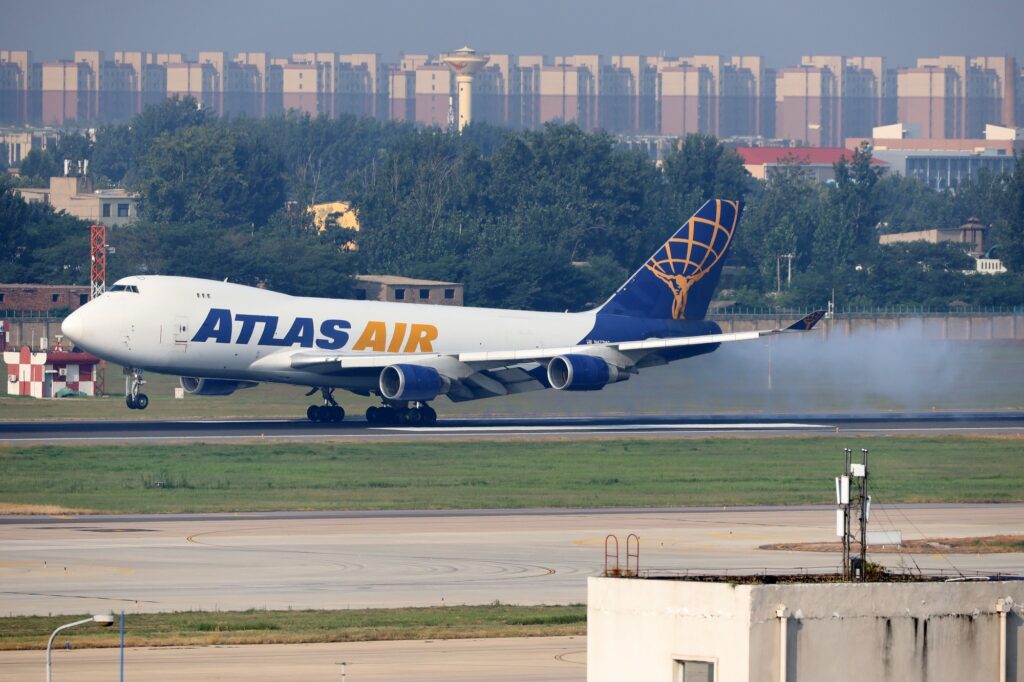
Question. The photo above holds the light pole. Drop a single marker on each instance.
(102, 619)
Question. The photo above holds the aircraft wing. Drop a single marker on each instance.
(479, 374)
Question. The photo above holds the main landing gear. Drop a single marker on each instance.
(406, 413)
(330, 411)
(134, 398)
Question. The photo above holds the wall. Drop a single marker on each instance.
(888, 632)
(636, 629)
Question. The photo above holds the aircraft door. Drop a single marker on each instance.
(179, 332)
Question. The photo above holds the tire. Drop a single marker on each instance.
(372, 415)
(413, 417)
(141, 401)
(130, 402)
(337, 413)
(313, 413)
(387, 415)
(429, 416)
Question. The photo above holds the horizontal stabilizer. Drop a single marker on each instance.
(807, 323)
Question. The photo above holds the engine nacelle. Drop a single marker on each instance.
(412, 382)
(582, 373)
(200, 386)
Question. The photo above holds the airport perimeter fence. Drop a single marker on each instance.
(882, 311)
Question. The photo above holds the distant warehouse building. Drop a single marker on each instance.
(818, 162)
(41, 298)
(944, 163)
(406, 290)
(76, 196)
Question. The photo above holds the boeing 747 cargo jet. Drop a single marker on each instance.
(220, 337)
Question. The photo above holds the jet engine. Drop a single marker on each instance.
(412, 382)
(200, 386)
(582, 373)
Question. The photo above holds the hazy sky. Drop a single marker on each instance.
(781, 30)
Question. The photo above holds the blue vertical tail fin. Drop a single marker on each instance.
(678, 281)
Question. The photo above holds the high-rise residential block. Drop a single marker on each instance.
(955, 97)
(826, 99)
(15, 72)
(821, 101)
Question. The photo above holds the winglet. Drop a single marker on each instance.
(807, 323)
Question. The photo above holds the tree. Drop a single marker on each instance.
(782, 220)
(701, 168)
(1011, 226)
(39, 165)
(209, 174)
(846, 232)
(38, 245)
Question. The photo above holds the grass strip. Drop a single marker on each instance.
(200, 628)
(503, 474)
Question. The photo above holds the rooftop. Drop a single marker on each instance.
(808, 156)
(393, 279)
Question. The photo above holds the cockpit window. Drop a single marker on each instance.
(127, 288)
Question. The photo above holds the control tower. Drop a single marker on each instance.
(465, 63)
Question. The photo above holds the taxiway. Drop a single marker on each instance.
(389, 559)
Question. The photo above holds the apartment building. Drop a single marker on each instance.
(720, 96)
(955, 97)
(826, 99)
(821, 101)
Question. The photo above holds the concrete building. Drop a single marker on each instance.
(435, 94)
(817, 162)
(335, 214)
(940, 162)
(50, 373)
(406, 290)
(566, 94)
(721, 96)
(955, 97)
(643, 96)
(76, 196)
(819, 102)
(683, 630)
(41, 298)
(15, 70)
(15, 144)
(826, 99)
(972, 234)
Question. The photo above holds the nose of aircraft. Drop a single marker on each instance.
(73, 326)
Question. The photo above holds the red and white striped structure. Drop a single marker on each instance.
(43, 374)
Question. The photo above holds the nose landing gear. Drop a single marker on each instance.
(134, 398)
(402, 413)
(330, 411)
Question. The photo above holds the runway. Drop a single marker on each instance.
(387, 559)
(49, 432)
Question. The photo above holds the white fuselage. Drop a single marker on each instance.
(204, 328)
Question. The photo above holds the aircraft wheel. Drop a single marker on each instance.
(413, 417)
(336, 413)
(386, 415)
(372, 414)
(313, 413)
(141, 401)
(429, 416)
(130, 402)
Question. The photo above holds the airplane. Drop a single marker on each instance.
(220, 337)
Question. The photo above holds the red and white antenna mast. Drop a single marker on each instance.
(98, 248)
